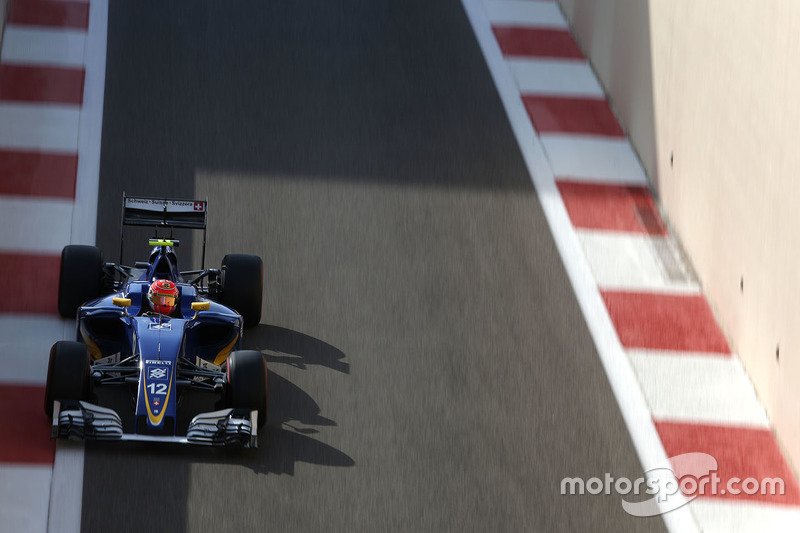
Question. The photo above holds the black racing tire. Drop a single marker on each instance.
(242, 280)
(247, 383)
(80, 278)
(67, 374)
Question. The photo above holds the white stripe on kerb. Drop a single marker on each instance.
(34, 224)
(23, 490)
(636, 262)
(25, 343)
(555, 77)
(698, 388)
(519, 13)
(43, 46)
(717, 515)
(87, 185)
(593, 159)
(39, 127)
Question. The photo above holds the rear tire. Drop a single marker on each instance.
(242, 284)
(67, 374)
(80, 278)
(247, 383)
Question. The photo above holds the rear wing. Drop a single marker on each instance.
(163, 213)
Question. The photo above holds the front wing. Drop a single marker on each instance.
(87, 421)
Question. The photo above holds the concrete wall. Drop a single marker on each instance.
(710, 94)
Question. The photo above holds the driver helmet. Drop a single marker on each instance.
(163, 296)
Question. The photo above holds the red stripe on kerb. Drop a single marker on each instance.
(41, 84)
(29, 283)
(46, 13)
(38, 174)
(611, 207)
(572, 115)
(740, 453)
(536, 42)
(26, 428)
(665, 322)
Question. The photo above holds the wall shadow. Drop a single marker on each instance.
(239, 90)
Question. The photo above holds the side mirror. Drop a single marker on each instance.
(201, 306)
(124, 303)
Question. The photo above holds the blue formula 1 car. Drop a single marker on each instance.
(171, 372)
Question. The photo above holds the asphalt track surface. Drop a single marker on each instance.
(430, 369)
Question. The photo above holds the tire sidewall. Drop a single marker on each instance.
(80, 277)
(247, 383)
(242, 286)
(67, 374)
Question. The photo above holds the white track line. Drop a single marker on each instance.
(636, 262)
(593, 159)
(84, 222)
(520, 13)
(25, 343)
(555, 77)
(618, 368)
(32, 224)
(725, 516)
(698, 388)
(39, 127)
(21, 490)
(66, 490)
(43, 46)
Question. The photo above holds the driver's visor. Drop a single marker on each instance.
(162, 299)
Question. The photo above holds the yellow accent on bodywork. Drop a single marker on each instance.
(94, 349)
(160, 242)
(201, 306)
(223, 354)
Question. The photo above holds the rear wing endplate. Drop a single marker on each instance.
(163, 213)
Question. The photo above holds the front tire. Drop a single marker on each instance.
(67, 374)
(247, 383)
(80, 278)
(242, 284)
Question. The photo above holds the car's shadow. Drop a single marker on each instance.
(281, 445)
(281, 345)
